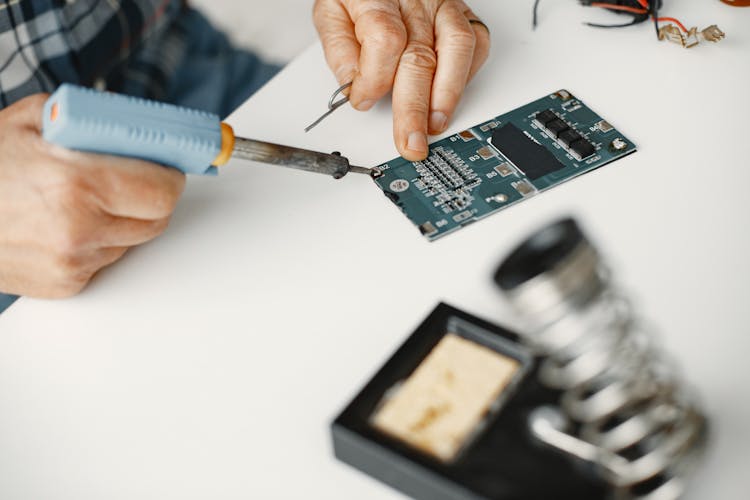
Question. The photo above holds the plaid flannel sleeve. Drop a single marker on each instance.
(98, 43)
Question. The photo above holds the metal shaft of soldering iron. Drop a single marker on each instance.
(301, 159)
(191, 141)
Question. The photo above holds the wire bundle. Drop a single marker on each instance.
(640, 11)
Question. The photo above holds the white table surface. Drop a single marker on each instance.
(209, 363)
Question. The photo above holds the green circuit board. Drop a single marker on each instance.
(500, 162)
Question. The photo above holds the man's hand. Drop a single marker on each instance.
(64, 215)
(426, 51)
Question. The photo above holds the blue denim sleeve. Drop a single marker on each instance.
(214, 75)
(6, 301)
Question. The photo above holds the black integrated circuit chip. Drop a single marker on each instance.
(556, 127)
(534, 160)
(546, 116)
(583, 148)
(569, 136)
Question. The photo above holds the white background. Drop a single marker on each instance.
(210, 363)
(276, 29)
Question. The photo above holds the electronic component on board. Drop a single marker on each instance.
(524, 188)
(569, 136)
(466, 135)
(604, 126)
(582, 148)
(428, 229)
(485, 153)
(555, 127)
(510, 158)
(504, 169)
(531, 158)
(566, 136)
(488, 126)
(545, 117)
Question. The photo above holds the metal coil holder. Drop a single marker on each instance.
(623, 407)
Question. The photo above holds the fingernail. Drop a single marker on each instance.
(365, 105)
(345, 73)
(438, 121)
(417, 142)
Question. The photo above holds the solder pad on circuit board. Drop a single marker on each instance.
(498, 163)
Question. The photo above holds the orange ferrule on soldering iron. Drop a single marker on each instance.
(54, 112)
(227, 146)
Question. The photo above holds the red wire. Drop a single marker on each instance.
(673, 20)
(636, 10)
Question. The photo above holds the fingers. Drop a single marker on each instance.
(455, 43)
(82, 267)
(107, 256)
(64, 268)
(135, 189)
(412, 86)
(363, 41)
(123, 232)
(426, 52)
(382, 35)
(482, 47)
(70, 263)
(336, 30)
(73, 274)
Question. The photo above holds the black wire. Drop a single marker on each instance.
(637, 18)
(655, 12)
(635, 21)
(652, 11)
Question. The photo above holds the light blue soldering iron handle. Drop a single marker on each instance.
(103, 122)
